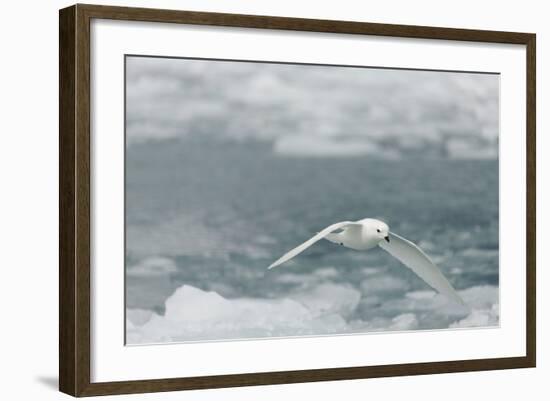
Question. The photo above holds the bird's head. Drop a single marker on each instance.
(380, 230)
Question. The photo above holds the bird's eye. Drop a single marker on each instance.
(377, 230)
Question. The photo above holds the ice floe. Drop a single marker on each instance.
(192, 314)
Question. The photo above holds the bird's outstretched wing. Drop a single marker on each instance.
(300, 248)
(415, 259)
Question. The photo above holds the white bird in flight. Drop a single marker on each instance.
(368, 233)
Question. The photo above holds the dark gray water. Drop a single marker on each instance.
(207, 218)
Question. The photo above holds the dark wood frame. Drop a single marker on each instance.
(74, 199)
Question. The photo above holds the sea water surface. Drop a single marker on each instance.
(205, 218)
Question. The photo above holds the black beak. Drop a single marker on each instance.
(387, 238)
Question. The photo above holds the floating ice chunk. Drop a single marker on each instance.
(295, 278)
(423, 294)
(194, 314)
(478, 318)
(382, 284)
(368, 271)
(481, 297)
(138, 317)
(435, 311)
(308, 279)
(456, 270)
(427, 246)
(154, 266)
(406, 321)
(485, 307)
(481, 253)
(329, 299)
(327, 272)
(306, 146)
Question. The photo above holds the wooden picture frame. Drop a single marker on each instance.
(75, 207)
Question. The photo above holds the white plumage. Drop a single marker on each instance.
(365, 234)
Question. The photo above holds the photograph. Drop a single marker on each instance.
(268, 199)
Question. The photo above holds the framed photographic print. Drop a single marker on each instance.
(250, 200)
